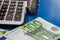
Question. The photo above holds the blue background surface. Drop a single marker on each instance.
(50, 10)
(47, 9)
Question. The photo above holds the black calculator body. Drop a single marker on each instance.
(12, 12)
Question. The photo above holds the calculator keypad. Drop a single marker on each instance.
(18, 12)
(12, 10)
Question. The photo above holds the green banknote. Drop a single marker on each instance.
(38, 29)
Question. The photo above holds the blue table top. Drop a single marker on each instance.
(48, 10)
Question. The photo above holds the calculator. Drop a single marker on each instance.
(12, 12)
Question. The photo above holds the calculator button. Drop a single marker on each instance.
(3, 10)
(13, 3)
(11, 11)
(17, 17)
(20, 5)
(6, 3)
(20, 2)
(19, 8)
(19, 11)
(12, 6)
(9, 16)
(4, 7)
(2, 14)
(1, 17)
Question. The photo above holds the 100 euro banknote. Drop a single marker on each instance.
(40, 29)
